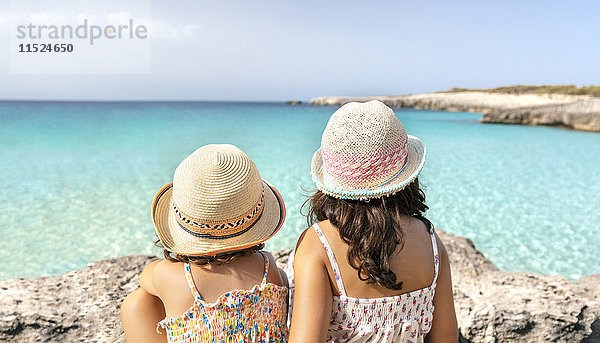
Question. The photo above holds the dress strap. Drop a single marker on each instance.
(336, 269)
(190, 281)
(436, 256)
(264, 280)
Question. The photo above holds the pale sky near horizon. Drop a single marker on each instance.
(278, 50)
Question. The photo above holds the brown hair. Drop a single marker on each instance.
(221, 258)
(371, 228)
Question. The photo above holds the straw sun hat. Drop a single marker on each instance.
(216, 203)
(365, 153)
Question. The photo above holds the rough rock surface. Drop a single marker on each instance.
(570, 111)
(497, 306)
(492, 305)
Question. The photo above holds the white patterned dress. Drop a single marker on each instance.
(403, 318)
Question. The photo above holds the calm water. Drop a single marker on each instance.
(77, 179)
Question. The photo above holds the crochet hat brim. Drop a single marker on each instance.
(415, 159)
(177, 239)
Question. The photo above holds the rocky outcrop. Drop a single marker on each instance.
(492, 305)
(497, 306)
(576, 112)
(78, 306)
(581, 115)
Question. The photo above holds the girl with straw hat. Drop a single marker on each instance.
(370, 268)
(215, 283)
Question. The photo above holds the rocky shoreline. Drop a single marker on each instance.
(577, 112)
(491, 305)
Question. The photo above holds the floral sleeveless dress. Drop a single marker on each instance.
(403, 318)
(255, 315)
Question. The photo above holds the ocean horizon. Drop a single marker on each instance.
(79, 178)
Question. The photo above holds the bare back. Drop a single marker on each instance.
(413, 264)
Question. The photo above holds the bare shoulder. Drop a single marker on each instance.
(309, 245)
(147, 277)
(158, 274)
(309, 251)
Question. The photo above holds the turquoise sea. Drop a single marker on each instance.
(78, 178)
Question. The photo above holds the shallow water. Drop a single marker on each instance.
(78, 179)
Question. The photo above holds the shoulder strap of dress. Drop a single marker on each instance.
(436, 256)
(264, 279)
(336, 270)
(190, 281)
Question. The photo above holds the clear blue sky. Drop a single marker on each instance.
(277, 50)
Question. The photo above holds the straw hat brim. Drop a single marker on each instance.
(175, 238)
(415, 159)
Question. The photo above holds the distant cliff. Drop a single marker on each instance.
(577, 112)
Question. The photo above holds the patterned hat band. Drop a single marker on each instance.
(366, 170)
(223, 228)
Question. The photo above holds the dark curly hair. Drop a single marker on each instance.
(221, 258)
(371, 229)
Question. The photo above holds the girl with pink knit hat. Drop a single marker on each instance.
(370, 268)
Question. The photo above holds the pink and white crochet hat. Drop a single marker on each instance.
(365, 153)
